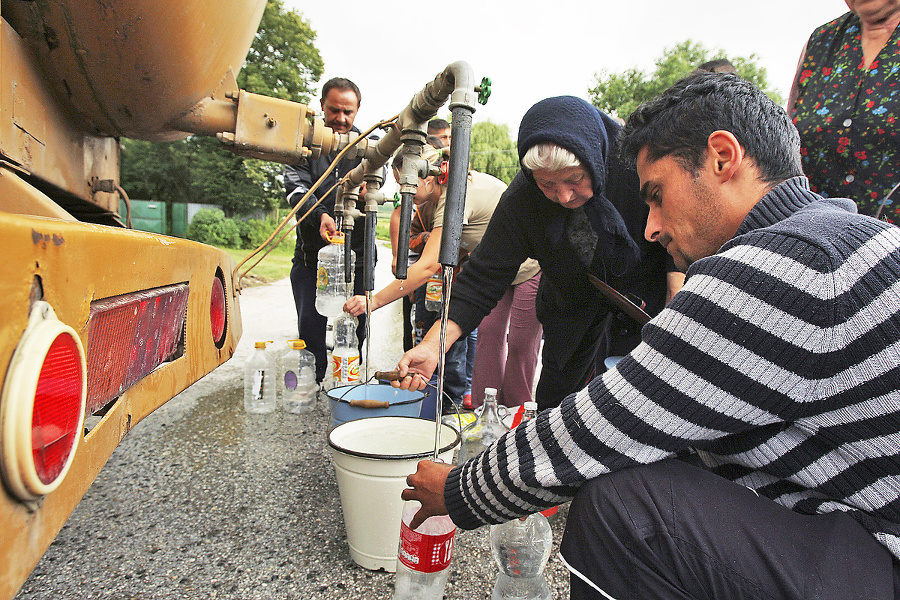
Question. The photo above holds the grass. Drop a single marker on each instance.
(277, 264)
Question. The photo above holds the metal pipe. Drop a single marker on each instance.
(454, 207)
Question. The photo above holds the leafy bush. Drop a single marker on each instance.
(254, 232)
(210, 226)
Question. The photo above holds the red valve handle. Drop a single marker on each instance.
(445, 172)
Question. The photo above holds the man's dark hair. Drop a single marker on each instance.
(680, 121)
(718, 65)
(341, 83)
(437, 125)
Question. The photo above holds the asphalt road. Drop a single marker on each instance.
(202, 500)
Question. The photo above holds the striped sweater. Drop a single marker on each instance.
(779, 362)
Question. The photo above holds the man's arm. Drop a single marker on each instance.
(298, 179)
(693, 379)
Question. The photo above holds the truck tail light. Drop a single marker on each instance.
(129, 336)
(43, 406)
(218, 315)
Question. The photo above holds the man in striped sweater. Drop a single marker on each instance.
(777, 362)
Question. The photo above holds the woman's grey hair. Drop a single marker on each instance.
(549, 157)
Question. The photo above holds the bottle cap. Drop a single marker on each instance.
(297, 344)
(262, 344)
(337, 237)
(530, 405)
(490, 391)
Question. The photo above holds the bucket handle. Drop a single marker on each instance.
(369, 403)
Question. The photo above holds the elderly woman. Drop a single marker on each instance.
(577, 211)
(845, 102)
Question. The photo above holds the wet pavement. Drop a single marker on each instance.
(202, 500)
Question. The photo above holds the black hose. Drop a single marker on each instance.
(406, 206)
(369, 268)
(454, 209)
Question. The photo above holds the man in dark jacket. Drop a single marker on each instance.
(592, 226)
(340, 103)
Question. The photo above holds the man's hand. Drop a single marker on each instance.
(327, 227)
(417, 365)
(427, 486)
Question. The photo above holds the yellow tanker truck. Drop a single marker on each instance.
(99, 324)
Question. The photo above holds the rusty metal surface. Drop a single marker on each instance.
(76, 263)
(37, 134)
(128, 67)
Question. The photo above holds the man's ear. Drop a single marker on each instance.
(724, 153)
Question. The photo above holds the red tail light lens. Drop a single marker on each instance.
(57, 408)
(42, 410)
(129, 336)
(217, 310)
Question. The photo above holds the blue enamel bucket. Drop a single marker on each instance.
(346, 402)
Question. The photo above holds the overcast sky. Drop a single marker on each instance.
(532, 50)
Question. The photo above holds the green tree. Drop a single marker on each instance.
(283, 62)
(493, 152)
(620, 93)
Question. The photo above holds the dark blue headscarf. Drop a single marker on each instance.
(590, 135)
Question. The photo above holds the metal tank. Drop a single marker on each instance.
(131, 67)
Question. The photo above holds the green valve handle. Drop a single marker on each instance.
(484, 90)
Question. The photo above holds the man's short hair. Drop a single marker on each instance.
(679, 122)
(549, 157)
(437, 125)
(718, 65)
(341, 83)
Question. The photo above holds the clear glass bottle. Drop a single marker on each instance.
(490, 418)
(484, 431)
(423, 558)
(521, 548)
(345, 355)
(332, 288)
(259, 380)
(297, 379)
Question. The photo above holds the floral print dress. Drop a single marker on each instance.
(847, 117)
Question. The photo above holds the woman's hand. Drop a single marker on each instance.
(356, 305)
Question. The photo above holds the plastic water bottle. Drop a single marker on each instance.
(486, 429)
(345, 356)
(433, 290)
(297, 379)
(259, 381)
(332, 289)
(423, 559)
(521, 548)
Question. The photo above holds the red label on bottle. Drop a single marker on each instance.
(425, 553)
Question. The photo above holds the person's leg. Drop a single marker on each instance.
(566, 365)
(359, 288)
(310, 324)
(471, 347)
(523, 345)
(490, 357)
(407, 324)
(674, 530)
(424, 317)
(455, 372)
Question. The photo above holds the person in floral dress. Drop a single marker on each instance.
(845, 102)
